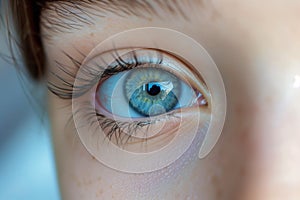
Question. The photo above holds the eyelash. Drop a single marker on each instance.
(113, 127)
(93, 77)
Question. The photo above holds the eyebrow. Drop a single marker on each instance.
(69, 16)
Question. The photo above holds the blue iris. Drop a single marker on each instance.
(152, 91)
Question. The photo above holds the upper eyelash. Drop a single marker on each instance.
(67, 90)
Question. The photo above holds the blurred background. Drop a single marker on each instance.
(27, 169)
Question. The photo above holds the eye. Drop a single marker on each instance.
(139, 104)
(150, 89)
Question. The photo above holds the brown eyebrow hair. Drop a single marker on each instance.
(68, 16)
(27, 21)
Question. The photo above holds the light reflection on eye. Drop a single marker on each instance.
(147, 90)
(152, 91)
(139, 93)
(152, 98)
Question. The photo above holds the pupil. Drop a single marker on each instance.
(153, 89)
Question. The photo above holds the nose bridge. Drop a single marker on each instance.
(274, 157)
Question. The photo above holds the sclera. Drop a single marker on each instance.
(178, 44)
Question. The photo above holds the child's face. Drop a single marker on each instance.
(255, 45)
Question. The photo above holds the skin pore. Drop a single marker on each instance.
(256, 48)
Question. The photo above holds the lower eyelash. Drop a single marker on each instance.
(116, 131)
(115, 128)
(112, 128)
(67, 90)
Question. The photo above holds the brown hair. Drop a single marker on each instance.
(25, 16)
(26, 23)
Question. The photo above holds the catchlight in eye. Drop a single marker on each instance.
(150, 100)
(149, 89)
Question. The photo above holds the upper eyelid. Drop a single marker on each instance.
(64, 88)
(61, 80)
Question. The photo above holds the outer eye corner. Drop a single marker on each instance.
(150, 88)
(117, 118)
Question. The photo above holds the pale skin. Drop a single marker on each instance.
(256, 48)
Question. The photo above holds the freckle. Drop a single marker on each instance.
(239, 110)
(79, 184)
(87, 182)
(201, 4)
(215, 15)
(269, 100)
(242, 172)
(99, 193)
(92, 34)
(215, 182)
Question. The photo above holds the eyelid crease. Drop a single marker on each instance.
(59, 85)
(67, 90)
(194, 53)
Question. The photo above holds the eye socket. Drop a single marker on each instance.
(142, 96)
(178, 131)
(150, 89)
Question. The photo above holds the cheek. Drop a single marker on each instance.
(79, 171)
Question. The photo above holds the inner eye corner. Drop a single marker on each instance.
(138, 63)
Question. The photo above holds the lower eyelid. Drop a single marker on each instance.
(112, 122)
(159, 131)
(187, 115)
(205, 93)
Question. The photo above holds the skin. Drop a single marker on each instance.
(256, 48)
